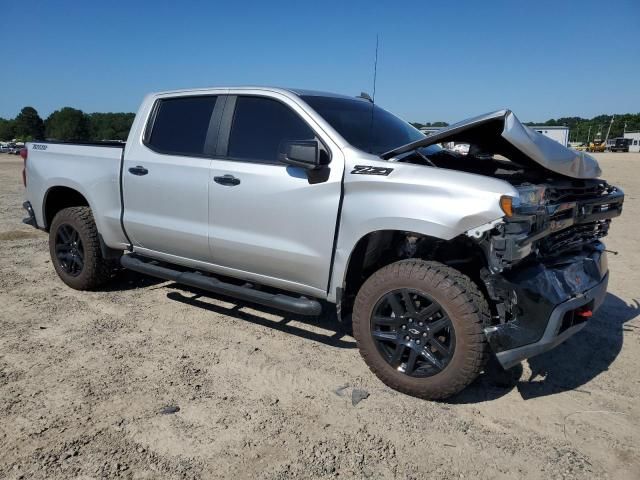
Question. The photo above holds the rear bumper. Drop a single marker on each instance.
(546, 305)
(31, 218)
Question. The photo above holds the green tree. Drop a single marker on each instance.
(110, 126)
(7, 130)
(28, 125)
(583, 129)
(68, 124)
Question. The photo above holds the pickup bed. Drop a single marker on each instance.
(301, 200)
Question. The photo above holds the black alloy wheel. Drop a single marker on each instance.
(69, 250)
(419, 326)
(413, 333)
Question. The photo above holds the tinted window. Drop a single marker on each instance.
(181, 125)
(364, 125)
(261, 127)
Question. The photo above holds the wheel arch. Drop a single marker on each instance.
(376, 249)
(59, 197)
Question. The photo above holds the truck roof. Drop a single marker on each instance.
(296, 91)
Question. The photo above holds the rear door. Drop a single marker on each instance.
(166, 178)
(269, 221)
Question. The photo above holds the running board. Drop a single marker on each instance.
(299, 305)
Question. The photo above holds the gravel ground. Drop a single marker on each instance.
(86, 379)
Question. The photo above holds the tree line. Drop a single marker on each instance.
(67, 124)
(583, 129)
(70, 124)
(580, 129)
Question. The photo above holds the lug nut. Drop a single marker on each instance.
(411, 320)
(404, 327)
(420, 324)
(407, 337)
(418, 342)
(424, 334)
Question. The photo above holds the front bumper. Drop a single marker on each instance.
(544, 304)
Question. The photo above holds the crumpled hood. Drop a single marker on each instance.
(502, 133)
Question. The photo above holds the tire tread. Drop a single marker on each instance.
(99, 270)
(459, 289)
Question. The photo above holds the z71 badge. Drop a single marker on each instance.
(369, 170)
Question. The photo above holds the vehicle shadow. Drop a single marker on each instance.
(130, 280)
(569, 366)
(338, 334)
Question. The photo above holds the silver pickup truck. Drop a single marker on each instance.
(300, 200)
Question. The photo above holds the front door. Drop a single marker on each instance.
(270, 221)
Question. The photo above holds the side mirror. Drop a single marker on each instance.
(302, 153)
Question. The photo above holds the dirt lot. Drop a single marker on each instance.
(84, 378)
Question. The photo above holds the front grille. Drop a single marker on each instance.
(573, 238)
(576, 190)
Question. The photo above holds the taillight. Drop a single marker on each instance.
(23, 154)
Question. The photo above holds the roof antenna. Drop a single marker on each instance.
(375, 72)
(373, 99)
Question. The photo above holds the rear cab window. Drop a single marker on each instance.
(181, 125)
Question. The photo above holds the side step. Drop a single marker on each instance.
(299, 305)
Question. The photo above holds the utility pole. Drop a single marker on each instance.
(609, 130)
(589, 135)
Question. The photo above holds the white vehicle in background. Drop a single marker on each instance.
(461, 148)
(301, 200)
(15, 148)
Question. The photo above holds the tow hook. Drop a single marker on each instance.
(584, 312)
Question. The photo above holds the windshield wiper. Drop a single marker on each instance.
(424, 157)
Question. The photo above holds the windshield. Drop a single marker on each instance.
(353, 119)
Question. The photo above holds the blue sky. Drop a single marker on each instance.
(437, 60)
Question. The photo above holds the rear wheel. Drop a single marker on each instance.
(419, 327)
(75, 250)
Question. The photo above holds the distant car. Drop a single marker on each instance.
(4, 149)
(14, 148)
(620, 145)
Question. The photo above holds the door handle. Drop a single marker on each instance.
(228, 180)
(139, 170)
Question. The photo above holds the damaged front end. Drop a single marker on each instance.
(546, 266)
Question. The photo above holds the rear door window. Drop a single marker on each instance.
(181, 125)
(261, 127)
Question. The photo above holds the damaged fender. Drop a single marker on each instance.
(434, 202)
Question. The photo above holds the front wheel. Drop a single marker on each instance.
(75, 250)
(419, 327)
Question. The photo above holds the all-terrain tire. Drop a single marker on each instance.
(462, 302)
(96, 270)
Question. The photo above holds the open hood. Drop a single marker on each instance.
(502, 133)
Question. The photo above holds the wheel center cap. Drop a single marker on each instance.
(413, 331)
